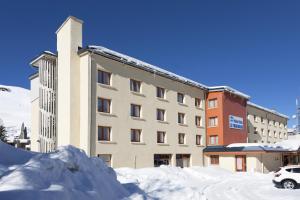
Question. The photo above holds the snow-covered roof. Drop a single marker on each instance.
(267, 109)
(144, 65)
(229, 89)
(41, 55)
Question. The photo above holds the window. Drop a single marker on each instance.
(162, 159)
(296, 170)
(104, 77)
(198, 140)
(136, 135)
(255, 130)
(104, 105)
(214, 140)
(135, 86)
(280, 135)
(105, 158)
(104, 133)
(135, 110)
(198, 121)
(160, 114)
(213, 122)
(212, 103)
(275, 134)
(262, 120)
(180, 98)
(263, 132)
(161, 136)
(214, 160)
(181, 138)
(198, 103)
(160, 92)
(256, 118)
(181, 118)
(269, 133)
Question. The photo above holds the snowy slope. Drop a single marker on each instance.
(14, 109)
(67, 174)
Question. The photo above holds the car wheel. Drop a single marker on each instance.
(289, 184)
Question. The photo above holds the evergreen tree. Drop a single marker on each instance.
(2, 133)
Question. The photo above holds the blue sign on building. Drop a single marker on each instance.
(236, 122)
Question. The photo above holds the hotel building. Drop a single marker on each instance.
(131, 113)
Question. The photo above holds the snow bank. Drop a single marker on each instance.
(13, 156)
(14, 109)
(67, 174)
(200, 183)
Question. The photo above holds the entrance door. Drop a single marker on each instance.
(240, 163)
(183, 160)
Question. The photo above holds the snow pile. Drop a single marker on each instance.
(198, 183)
(65, 174)
(14, 109)
(290, 144)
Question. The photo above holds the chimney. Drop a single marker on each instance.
(69, 38)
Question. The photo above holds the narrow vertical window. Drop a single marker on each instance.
(198, 121)
(160, 92)
(160, 114)
(135, 110)
(198, 140)
(181, 118)
(161, 136)
(213, 122)
(181, 138)
(198, 103)
(180, 98)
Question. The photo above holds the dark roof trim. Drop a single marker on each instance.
(224, 149)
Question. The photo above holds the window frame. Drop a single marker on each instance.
(101, 74)
(158, 93)
(135, 83)
(215, 124)
(163, 141)
(101, 136)
(179, 118)
(199, 140)
(101, 99)
(179, 99)
(179, 138)
(132, 110)
(158, 110)
(133, 132)
(215, 103)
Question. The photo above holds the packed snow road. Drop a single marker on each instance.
(201, 183)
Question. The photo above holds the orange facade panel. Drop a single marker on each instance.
(225, 118)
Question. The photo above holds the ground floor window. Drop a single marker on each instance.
(106, 158)
(162, 159)
(240, 163)
(183, 160)
(214, 160)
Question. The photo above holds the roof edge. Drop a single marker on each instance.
(267, 109)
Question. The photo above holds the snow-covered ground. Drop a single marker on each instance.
(14, 109)
(71, 175)
(209, 183)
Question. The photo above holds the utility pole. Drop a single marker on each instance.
(298, 116)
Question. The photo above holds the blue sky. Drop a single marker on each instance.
(253, 46)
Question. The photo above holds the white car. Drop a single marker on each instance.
(287, 177)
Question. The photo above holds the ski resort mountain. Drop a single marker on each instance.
(14, 109)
